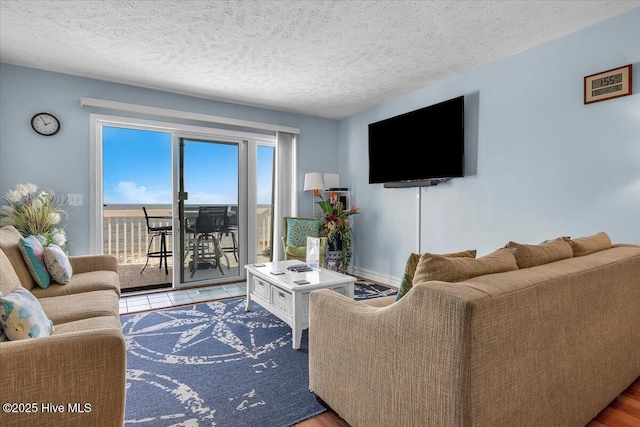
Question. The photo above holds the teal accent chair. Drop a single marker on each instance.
(294, 237)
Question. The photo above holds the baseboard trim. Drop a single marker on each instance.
(377, 277)
(146, 288)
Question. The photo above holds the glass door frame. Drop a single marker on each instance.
(178, 221)
(247, 178)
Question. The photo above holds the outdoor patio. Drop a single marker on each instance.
(131, 275)
(126, 236)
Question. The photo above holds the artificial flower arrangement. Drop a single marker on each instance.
(35, 213)
(335, 225)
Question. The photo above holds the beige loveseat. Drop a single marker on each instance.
(548, 345)
(81, 366)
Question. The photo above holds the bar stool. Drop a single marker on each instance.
(211, 222)
(158, 231)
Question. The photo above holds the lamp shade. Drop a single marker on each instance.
(313, 181)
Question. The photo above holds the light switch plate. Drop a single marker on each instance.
(75, 199)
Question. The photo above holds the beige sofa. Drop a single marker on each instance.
(82, 362)
(548, 345)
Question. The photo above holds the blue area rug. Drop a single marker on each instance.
(213, 364)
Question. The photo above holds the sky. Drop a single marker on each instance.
(137, 169)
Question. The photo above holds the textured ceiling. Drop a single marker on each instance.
(323, 58)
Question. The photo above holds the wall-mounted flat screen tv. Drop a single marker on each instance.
(425, 144)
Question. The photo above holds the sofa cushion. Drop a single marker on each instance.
(100, 280)
(448, 269)
(89, 324)
(22, 316)
(9, 241)
(8, 277)
(68, 308)
(412, 263)
(58, 264)
(544, 253)
(33, 255)
(590, 244)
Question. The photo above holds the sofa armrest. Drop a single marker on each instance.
(625, 245)
(77, 369)
(414, 354)
(87, 263)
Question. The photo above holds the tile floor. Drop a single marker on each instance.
(168, 298)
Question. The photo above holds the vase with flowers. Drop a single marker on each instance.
(336, 226)
(34, 212)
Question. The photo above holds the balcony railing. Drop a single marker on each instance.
(125, 231)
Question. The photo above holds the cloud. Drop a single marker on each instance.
(128, 192)
(204, 198)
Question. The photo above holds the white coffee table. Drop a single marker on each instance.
(287, 300)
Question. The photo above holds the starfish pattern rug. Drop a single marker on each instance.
(213, 364)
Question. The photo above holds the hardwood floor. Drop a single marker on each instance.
(624, 411)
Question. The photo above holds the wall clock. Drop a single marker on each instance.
(45, 124)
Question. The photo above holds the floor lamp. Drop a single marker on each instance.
(313, 181)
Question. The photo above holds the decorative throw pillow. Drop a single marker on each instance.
(446, 269)
(33, 254)
(58, 264)
(544, 253)
(299, 229)
(22, 316)
(588, 245)
(412, 263)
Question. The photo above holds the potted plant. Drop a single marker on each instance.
(335, 225)
(35, 213)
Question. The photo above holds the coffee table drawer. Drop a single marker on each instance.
(281, 299)
(261, 288)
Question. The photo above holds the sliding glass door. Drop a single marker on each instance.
(210, 205)
(137, 179)
(209, 191)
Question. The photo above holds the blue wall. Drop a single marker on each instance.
(540, 164)
(61, 162)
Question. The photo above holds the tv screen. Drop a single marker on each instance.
(424, 144)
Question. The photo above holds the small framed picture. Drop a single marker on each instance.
(608, 84)
(344, 197)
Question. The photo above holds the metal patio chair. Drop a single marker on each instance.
(161, 231)
(212, 221)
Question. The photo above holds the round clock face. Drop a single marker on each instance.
(45, 124)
